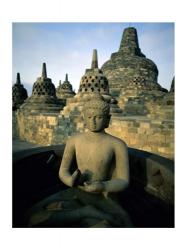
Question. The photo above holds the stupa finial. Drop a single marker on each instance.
(66, 78)
(18, 81)
(129, 42)
(44, 71)
(94, 60)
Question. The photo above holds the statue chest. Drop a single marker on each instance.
(94, 159)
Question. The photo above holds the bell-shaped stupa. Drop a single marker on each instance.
(92, 83)
(19, 93)
(64, 90)
(94, 80)
(130, 66)
(43, 98)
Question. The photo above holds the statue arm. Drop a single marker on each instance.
(121, 179)
(67, 159)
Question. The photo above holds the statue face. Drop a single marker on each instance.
(95, 120)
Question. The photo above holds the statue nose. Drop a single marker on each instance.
(94, 120)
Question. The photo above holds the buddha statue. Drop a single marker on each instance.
(101, 169)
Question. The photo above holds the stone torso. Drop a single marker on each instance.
(95, 156)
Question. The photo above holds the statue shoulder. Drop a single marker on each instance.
(74, 138)
(117, 142)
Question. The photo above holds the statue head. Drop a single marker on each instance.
(96, 114)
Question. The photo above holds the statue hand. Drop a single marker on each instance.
(94, 187)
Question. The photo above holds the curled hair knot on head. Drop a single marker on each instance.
(97, 103)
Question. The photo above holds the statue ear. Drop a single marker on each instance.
(107, 121)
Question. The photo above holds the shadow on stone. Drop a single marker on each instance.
(149, 199)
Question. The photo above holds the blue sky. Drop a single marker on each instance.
(67, 48)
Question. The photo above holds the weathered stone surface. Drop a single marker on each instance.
(130, 66)
(94, 82)
(19, 93)
(43, 98)
(154, 104)
(143, 116)
(150, 193)
(145, 134)
(137, 131)
(96, 175)
(172, 89)
(65, 90)
(15, 128)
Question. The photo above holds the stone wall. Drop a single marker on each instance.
(15, 129)
(47, 128)
(37, 128)
(156, 105)
(152, 135)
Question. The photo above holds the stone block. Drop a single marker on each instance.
(80, 125)
(141, 130)
(171, 145)
(115, 123)
(133, 141)
(130, 123)
(133, 130)
(163, 150)
(142, 138)
(156, 138)
(145, 125)
(147, 148)
(52, 120)
(170, 138)
(150, 131)
(136, 124)
(156, 122)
